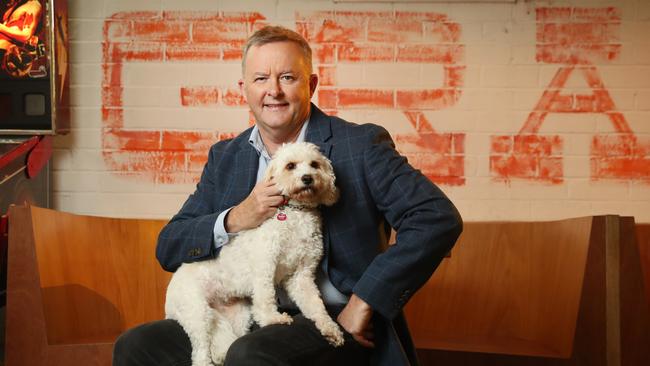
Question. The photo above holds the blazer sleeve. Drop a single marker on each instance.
(426, 222)
(189, 235)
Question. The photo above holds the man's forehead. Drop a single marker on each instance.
(254, 50)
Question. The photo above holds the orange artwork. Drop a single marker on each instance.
(576, 39)
(337, 38)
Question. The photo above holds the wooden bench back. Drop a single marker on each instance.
(99, 276)
(76, 282)
(509, 287)
(544, 289)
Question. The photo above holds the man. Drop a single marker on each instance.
(363, 287)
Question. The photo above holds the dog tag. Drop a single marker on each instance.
(281, 216)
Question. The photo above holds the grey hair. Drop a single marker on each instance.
(271, 34)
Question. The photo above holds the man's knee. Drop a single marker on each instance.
(161, 342)
(251, 350)
(126, 348)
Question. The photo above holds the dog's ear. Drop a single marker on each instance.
(331, 194)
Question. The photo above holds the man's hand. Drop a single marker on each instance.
(257, 207)
(355, 319)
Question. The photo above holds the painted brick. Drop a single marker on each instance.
(328, 30)
(363, 98)
(594, 83)
(119, 30)
(577, 54)
(199, 96)
(577, 33)
(394, 31)
(442, 32)
(218, 32)
(327, 98)
(141, 51)
(366, 53)
(233, 97)
(232, 51)
(168, 31)
(192, 52)
(439, 54)
(413, 16)
(427, 99)
(324, 53)
(132, 140)
(327, 76)
(187, 141)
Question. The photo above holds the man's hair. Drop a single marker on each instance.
(271, 34)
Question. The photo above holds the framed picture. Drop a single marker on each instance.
(34, 80)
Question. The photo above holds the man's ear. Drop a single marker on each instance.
(242, 88)
(313, 83)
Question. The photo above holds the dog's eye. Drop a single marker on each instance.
(291, 166)
(315, 165)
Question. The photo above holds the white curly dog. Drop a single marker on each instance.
(215, 301)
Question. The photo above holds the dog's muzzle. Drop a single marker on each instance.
(307, 179)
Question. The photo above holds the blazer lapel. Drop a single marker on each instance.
(246, 165)
(319, 130)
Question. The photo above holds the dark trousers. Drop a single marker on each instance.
(165, 343)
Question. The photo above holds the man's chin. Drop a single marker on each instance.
(274, 119)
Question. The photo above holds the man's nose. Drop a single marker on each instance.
(274, 89)
(307, 179)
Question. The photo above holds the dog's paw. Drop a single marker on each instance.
(331, 332)
(218, 355)
(218, 360)
(201, 361)
(277, 318)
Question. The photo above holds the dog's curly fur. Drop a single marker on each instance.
(215, 301)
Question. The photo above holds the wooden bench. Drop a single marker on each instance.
(568, 292)
(75, 283)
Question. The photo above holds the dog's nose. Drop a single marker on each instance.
(307, 179)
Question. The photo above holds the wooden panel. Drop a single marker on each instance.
(25, 339)
(643, 242)
(511, 288)
(613, 324)
(635, 312)
(99, 276)
(77, 282)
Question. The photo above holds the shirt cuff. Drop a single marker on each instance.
(221, 237)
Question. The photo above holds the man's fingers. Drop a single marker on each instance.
(363, 341)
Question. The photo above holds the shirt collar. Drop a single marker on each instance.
(255, 138)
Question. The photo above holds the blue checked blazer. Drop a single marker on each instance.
(379, 191)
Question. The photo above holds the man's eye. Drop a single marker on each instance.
(259, 79)
(287, 78)
(315, 165)
(291, 166)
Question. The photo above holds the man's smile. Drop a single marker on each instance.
(275, 106)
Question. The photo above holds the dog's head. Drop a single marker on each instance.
(303, 174)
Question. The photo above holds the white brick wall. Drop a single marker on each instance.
(502, 83)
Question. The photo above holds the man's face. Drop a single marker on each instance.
(278, 86)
